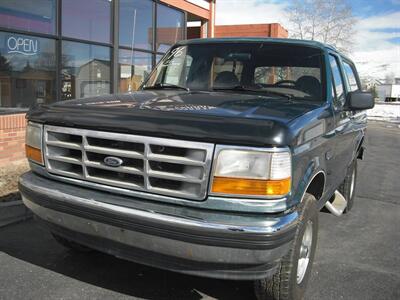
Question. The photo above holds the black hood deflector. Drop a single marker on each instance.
(223, 118)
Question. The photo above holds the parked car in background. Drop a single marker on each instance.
(217, 167)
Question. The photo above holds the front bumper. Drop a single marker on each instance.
(188, 240)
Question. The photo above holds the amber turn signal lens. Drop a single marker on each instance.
(33, 154)
(252, 187)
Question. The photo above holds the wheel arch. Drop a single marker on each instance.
(311, 179)
(316, 186)
(360, 149)
(313, 182)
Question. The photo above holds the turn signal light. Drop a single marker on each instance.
(255, 187)
(33, 154)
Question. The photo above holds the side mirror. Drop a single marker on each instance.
(359, 100)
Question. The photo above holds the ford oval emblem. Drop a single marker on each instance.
(113, 161)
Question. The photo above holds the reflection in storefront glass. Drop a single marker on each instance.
(85, 70)
(27, 70)
(87, 20)
(33, 16)
(169, 27)
(134, 67)
(136, 24)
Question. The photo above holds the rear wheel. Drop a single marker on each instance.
(348, 187)
(291, 280)
(70, 244)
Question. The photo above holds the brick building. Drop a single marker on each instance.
(251, 30)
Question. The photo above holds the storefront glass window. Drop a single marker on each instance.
(170, 26)
(87, 20)
(85, 70)
(136, 24)
(134, 67)
(27, 70)
(28, 15)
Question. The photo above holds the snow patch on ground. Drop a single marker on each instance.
(388, 112)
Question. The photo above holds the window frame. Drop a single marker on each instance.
(89, 45)
(153, 21)
(119, 64)
(345, 91)
(157, 4)
(52, 46)
(355, 73)
(110, 37)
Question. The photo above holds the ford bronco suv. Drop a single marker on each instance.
(216, 167)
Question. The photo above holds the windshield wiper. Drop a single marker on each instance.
(160, 86)
(289, 96)
(244, 89)
(232, 88)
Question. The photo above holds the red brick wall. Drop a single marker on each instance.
(274, 30)
(12, 138)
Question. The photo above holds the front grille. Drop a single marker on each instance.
(156, 165)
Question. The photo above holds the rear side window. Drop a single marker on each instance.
(339, 97)
(272, 74)
(351, 78)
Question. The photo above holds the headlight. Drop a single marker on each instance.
(33, 142)
(241, 171)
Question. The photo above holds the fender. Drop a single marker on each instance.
(313, 169)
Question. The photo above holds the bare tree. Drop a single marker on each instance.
(330, 22)
(389, 78)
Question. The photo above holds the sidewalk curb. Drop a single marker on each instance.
(12, 212)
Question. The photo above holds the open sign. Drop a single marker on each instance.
(22, 45)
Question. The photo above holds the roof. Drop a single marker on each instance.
(306, 43)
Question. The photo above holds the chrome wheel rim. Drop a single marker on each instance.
(305, 252)
(352, 183)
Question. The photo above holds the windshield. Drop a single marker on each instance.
(276, 70)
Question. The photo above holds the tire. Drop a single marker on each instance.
(70, 244)
(348, 186)
(288, 282)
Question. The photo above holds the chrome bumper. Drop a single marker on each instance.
(178, 238)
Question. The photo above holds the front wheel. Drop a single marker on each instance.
(291, 280)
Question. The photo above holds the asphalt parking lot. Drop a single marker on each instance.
(357, 255)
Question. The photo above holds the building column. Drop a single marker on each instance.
(204, 29)
(211, 22)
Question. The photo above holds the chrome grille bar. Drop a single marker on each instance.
(155, 165)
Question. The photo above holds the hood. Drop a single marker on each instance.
(220, 117)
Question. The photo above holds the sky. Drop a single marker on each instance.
(376, 50)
